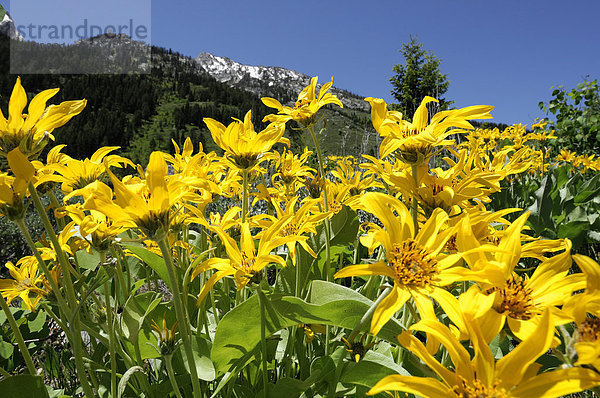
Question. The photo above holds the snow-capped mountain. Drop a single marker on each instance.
(7, 26)
(269, 81)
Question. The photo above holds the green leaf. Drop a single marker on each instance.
(6, 349)
(23, 386)
(238, 332)
(370, 369)
(541, 210)
(153, 260)
(86, 260)
(38, 323)
(135, 311)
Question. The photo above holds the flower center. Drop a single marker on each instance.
(290, 229)
(412, 264)
(476, 389)
(589, 330)
(247, 264)
(516, 300)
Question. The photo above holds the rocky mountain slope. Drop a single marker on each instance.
(7, 25)
(271, 81)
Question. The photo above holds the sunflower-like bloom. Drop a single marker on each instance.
(520, 301)
(415, 263)
(301, 221)
(14, 188)
(27, 283)
(416, 141)
(242, 143)
(77, 174)
(290, 168)
(512, 376)
(99, 230)
(244, 261)
(145, 204)
(587, 344)
(306, 107)
(358, 181)
(32, 131)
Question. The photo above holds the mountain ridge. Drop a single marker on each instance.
(281, 83)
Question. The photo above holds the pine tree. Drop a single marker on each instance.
(419, 76)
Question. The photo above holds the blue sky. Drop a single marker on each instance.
(503, 53)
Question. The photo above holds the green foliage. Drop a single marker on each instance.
(418, 77)
(577, 114)
(563, 204)
(23, 386)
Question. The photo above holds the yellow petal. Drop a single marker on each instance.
(511, 368)
(388, 307)
(20, 165)
(272, 103)
(557, 383)
(157, 184)
(18, 100)
(422, 386)
(37, 107)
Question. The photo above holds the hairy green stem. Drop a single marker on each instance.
(245, 195)
(171, 374)
(369, 314)
(185, 331)
(111, 335)
(18, 336)
(414, 209)
(263, 340)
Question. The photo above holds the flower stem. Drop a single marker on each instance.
(326, 221)
(263, 340)
(18, 336)
(245, 195)
(414, 210)
(171, 374)
(111, 336)
(369, 314)
(181, 318)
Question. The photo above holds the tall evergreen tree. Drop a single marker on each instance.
(419, 76)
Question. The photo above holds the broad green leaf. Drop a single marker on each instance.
(154, 261)
(38, 322)
(6, 349)
(23, 386)
(134, 312)
(370, 369)
(86, 260)
(238, 332)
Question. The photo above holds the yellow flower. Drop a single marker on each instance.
(416, 141)
(480, 375)
(145, 204)
(414, 261)
(244, 261)
(31, 132)
(290, 168)
(26, 282)
(349, 176)
(241, 143)
(519, 300)
(306, 107)
(300, 221)
(587, 344)
(14, 189)
(77, 174)
(94, 226)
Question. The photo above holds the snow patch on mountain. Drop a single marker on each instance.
(7, 28)
(268, 81)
